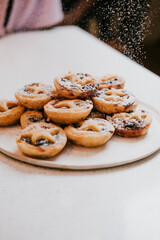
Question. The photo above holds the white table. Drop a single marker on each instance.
(37, 203)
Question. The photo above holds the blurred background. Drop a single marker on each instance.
(130, 26)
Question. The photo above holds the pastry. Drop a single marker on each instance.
(30, 117)
(41, 140)
(96, 114)
(10, 112)
(110, 81)
(91, 132)
(68, 111)
(35, 95)
(132, 124)
(76, 85)
(114, 101)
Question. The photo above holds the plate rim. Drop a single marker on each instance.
(53, 165)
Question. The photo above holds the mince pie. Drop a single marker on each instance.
(30, 117)
(114, 101)
(35, 95)
(41, 140)
(110, 81)
(10, 112)
(68, 111)
(91, 132)
(132, 124)
(76, 85)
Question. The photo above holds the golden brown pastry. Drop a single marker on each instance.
(132, 124)
(41, 140)
(10, 112)
(96, 114)
(114, 101)
(68, 111)
(76, 85)
(35, 95)
(110, 81)
(91, 132)
(30, 117)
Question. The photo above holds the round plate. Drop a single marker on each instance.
(115, 152)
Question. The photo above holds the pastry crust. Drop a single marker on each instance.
(68, 111)
(76, 85)
(132, 124)
(114, 101)
(35, 95)
(41, 140)
(96, 114)
(10, 112)
(110, 81)
(91, 132)
(30, 117)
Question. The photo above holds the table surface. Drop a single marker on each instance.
(38, 203)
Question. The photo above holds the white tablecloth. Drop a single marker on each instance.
(37, 203)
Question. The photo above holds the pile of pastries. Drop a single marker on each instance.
(84, 109)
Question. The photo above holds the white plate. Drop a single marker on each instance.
(117, 151)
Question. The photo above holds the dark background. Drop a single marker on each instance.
(130, 26)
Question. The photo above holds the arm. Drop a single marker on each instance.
(76, 14)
